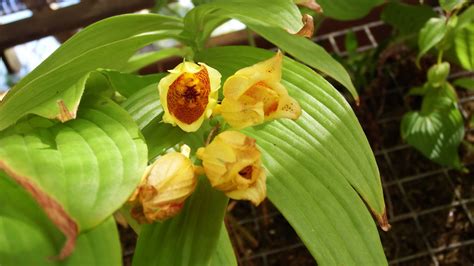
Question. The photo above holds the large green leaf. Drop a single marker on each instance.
(437, 129)
(224, 253)
(319, 167)
(52, 89)
(464, 45)
(307, 52)
(407, 19)
(347, 9)
(202, 20)
(431, 34)
(27, 237)
(188, 239)
(85, 168)
(142, 60)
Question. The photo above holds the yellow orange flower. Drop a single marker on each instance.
(233, 165)
(255, 94)
(188, 94)
(165, 186)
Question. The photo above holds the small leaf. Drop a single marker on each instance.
(464, 46)
(350, 42)
(465, 83)
(437, 74)
(431, 34)
(407, 19)
(451, 5)
(437, 130)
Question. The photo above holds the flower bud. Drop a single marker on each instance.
(233, 165)
(255, 94)
(189, 94)
(164, 187)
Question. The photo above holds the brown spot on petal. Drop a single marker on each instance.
(308, 27)
(52, 208)
(262, 92)
(188, 96)
(246, 172)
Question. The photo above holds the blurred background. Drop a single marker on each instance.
(430, 207)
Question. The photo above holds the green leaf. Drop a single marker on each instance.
(347, 9)
(202, 20)
(307, 52)
(465, 83)
(407, 19)
(437, 74)
(88, 166)
(27, 237)
(139, 61)
(464, 45)
(431, 34)
(450, 5)
(319, 167)
(466, 17)
(224, 254)
(127, 84)
(188, 239)
(105, 44)
(350, 42)
(437, 130)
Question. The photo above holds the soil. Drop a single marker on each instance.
(430, 208)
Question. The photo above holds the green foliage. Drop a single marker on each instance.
(89, 165)
(436, 130)
(450, 5)
(28, 237)
(431, 34)
(407, 19)
(465, 83)
(464, 45)
(100, 152)
(438, 74)
(347, 9)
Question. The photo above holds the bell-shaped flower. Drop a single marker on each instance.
(189, 94)
(232, 163)
(255, 94)
(165, 186)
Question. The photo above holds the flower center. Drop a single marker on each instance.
(246, 172)
(188, 96)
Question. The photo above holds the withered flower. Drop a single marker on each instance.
(255, 94)
(165, 186)
(188, 94)
(233, 165)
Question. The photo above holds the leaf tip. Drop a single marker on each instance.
(64, 113)
(382, 220)
(308, 27)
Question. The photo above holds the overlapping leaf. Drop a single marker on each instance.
(27, 237)
(335, 165)
(464, 45)
(53, 89)
(85, 168)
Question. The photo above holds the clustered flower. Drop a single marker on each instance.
(231, 161)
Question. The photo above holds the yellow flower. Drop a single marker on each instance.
(188, 94)
(233, 165)
(255, 94)
(165, 186)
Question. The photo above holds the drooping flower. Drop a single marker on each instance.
(165, 186)
(232, 163)
(188, 94)
(255, 94)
